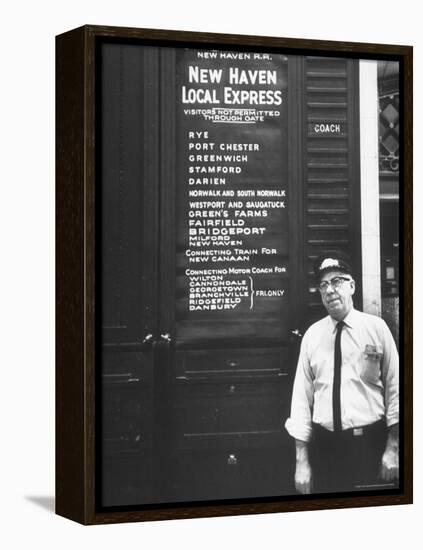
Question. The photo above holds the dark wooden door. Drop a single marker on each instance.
(227, 311)
(128, 213)
(210, 218)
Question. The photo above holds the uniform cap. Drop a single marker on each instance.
(330, 262)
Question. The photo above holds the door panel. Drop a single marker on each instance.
(331, 163)
(237, 363)
(232, 410)
(227, 277)
(128, 190)
(232, 473)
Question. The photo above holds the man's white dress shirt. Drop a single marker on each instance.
(369, 375)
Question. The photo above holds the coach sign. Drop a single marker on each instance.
(199, 177)
(326, 128)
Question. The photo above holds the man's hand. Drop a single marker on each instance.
(389, 467)
(389, 470)
(303, 473)
(303, 478)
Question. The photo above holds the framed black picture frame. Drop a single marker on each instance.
(167, 407)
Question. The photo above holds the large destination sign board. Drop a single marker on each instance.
(232, 196)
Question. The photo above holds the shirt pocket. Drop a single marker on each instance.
(370, 366)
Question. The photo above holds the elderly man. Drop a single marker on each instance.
(345, 411)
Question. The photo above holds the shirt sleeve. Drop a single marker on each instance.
(299, 423)
(390, 377)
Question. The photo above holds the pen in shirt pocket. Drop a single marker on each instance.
(373, 352)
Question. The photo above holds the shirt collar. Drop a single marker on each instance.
(349, 320)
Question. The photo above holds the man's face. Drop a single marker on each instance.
(338, 301)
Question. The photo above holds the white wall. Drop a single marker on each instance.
(370, 223)
(27, 273)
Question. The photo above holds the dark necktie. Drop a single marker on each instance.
(336, 394)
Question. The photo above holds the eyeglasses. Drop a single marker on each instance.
(336, 282)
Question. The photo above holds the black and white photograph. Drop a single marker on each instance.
(250, 274)
(248, 256)
(210, 220)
